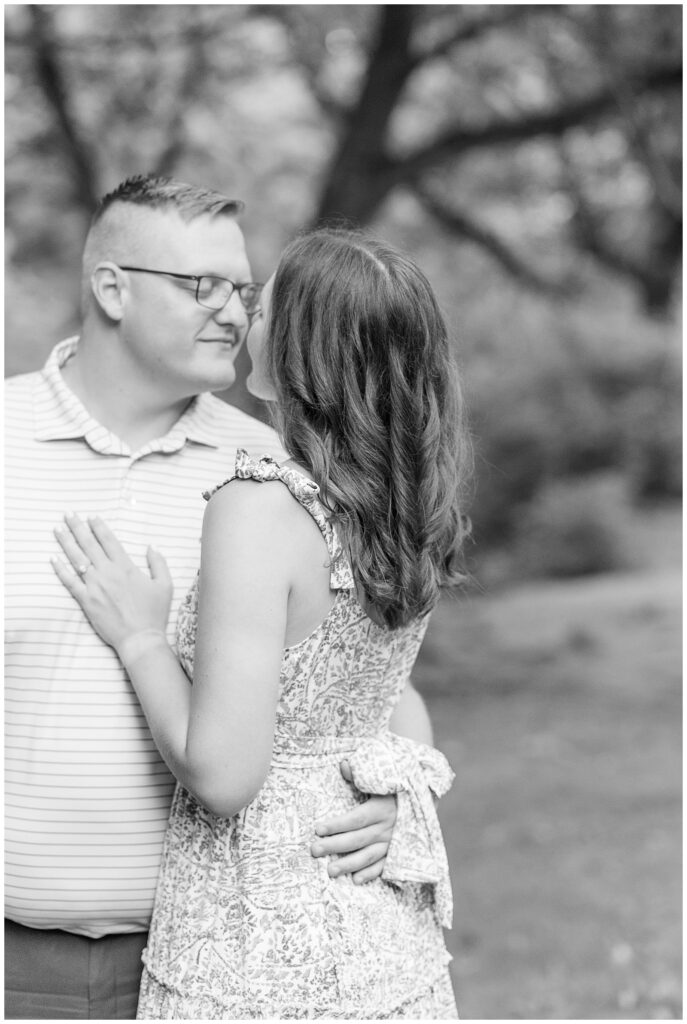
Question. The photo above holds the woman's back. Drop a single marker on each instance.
(243, 910)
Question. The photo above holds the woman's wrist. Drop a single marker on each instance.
(135, 645)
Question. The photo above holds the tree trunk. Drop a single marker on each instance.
(52, 81)
(354, 187)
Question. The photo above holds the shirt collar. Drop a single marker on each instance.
(197, 424)
(59, 415)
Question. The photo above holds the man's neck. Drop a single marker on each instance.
(127, 407)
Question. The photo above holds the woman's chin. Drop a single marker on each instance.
(264, 393)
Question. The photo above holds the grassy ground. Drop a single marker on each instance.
(559, 707)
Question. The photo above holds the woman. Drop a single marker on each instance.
(300, 635)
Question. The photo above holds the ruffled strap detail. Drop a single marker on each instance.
(388, 763)
(304, 491)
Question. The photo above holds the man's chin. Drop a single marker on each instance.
(210, 370)
(219, 381)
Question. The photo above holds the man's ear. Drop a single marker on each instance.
(107, 285)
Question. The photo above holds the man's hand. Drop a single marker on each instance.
(361, 837)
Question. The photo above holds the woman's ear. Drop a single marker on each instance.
(107, 285)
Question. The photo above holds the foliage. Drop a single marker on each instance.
(565, 392)
(575, 528)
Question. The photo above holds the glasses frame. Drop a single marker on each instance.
(198, 278)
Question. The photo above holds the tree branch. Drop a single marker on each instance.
(554, 122)
(651, 275)
(459, 223)
(466, 32)
(298, 28)
(115, 40)
(603, 45)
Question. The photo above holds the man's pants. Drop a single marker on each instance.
(55, 975)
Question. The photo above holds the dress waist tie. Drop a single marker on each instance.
(388, 763)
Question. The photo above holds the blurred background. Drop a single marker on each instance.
(529, 158)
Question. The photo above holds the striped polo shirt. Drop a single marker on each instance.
(87, 794)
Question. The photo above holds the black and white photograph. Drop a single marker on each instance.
(343, 511)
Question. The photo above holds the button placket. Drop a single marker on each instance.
(127, 494)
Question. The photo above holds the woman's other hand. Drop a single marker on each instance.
(118, 599)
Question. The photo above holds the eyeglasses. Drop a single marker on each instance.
(215, 292)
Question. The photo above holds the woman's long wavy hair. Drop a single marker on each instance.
(369, 402)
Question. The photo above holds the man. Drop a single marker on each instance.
(120, 423)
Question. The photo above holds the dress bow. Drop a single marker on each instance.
(247, 468)
(388, 763)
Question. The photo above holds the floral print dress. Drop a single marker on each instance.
(247, 924)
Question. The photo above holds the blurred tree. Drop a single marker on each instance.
(569, 112)
(579, 67)
(528, 155)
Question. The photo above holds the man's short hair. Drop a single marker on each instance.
(115, 228)
(159, 193)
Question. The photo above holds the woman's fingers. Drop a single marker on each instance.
(79, 543)
(84, 536)
(119, 599)
(71, 580)
(95, 542)
(78, 558)
(159, 569)
(107, 540)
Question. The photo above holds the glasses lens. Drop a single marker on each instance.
(250, 296)
(214, 292)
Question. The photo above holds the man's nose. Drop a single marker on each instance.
(233, 312)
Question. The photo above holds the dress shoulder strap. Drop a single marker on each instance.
(307, 493)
